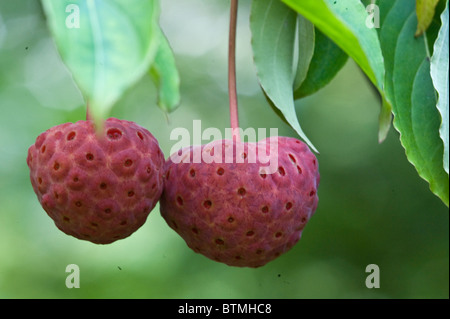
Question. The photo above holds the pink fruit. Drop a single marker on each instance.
(97, 187)
(238, 213)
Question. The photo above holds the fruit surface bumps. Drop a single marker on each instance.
(230, 209)
(98, 187)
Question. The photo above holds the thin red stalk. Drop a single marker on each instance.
(88, 115)
(232, 92)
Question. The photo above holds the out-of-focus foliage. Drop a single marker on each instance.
(106, 45)
(373, 208)
(165, 75)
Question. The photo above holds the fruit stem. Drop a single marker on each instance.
(88, 115)
(234, 116)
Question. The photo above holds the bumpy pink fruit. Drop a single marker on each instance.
(97, 187)
(235, 212)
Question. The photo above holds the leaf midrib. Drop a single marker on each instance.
(98, 44)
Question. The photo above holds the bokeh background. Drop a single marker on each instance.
(373, 207)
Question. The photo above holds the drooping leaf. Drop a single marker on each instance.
(409, 81)
(305, 42)
(425, 13)
(440, 76)
(326, 62)
(389, 33)
(107, 45)
(273, 36)
(165, 75)
(346, 23)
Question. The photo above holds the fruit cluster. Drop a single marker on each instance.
(102, 187)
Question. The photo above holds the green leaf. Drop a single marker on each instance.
(273, 36)
(389, 33)
(409, 81)
(109, 50)
(425, 13)
(345, 23)
(326, 62)
(165, 75)
(426, 124)
(305, 42)
(440, 75)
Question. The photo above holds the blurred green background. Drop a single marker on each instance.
(373, 207)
